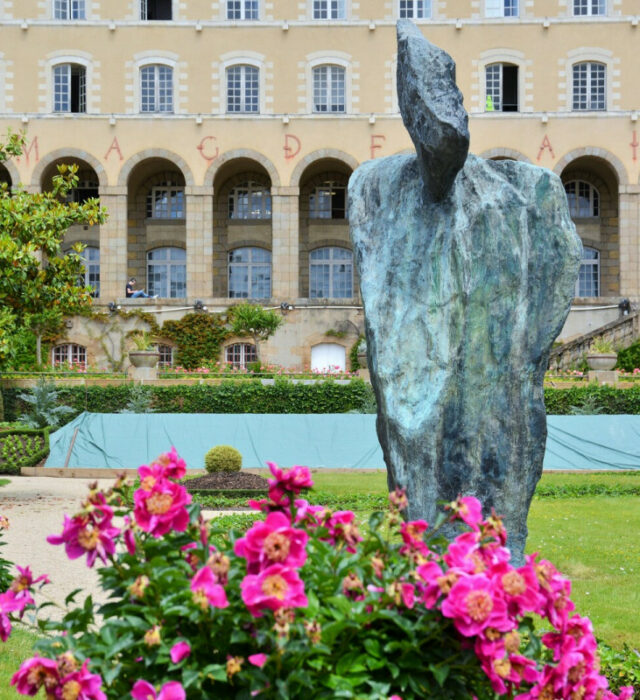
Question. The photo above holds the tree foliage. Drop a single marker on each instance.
(253, 320)
(38, 284)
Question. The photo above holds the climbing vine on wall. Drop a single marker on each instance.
(353, 354)
(198, 337)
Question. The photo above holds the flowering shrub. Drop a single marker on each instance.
(303, 604)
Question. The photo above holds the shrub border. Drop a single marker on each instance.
(30, 460)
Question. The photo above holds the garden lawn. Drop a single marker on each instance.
(4, 482)
(12, 653)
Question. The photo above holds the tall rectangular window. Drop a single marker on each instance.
(243, 89)
(69, 88)
(329, 89)
(242, 9)
(589, 7)
(501, 8)
(156, 89)
(589, 86)
(69, 9)
(501, 82)
(329, 9)
(415, 9)
(155, 10)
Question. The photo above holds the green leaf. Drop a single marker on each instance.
(440, 673)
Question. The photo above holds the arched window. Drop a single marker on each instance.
(165, 201)
(243, 89)
(250, 200)
(415, 9)
(589, 86)
(240, 355)
(331, 273)
(166, 355)
(249, 273)
(69, 355)
(69, 9)
(588, 283)
(328, 201)
(501, 87)
(91, 260)
(156, 88)
(329, 93)
(583, 198)
(167, 272)
(69, 88)
(327, 358)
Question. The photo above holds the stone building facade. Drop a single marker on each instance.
(221, 134)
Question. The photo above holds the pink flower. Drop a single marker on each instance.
(162, 508)
(129, 535)
(342, 528)
(34, 674)
(431, 573)
(81, 685)
(169, 691)
(475, 603)
(273, 588)
(91, 533)
(258, 660)
(207, 590)
(10, 602)
(273, 541)
(408, 591)
(412, 533)
(179, 651)
(25, 581)
(288, 481)
(308, 514)
(468, 509)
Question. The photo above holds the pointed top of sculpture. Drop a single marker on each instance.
(431, 107)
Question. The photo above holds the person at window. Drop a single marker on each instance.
(136, 293)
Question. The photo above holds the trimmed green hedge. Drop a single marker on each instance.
(608, 399)
(228, 397)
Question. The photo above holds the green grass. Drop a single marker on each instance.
(14, 651)
(4, 482)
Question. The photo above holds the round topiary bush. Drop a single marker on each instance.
(223, 458)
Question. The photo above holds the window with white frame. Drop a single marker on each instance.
(91, 261)
(69, 355)
(589, 86)
(166, 355)
(69, 9)
(167, 273)
(166, 201)
(249, 273)
(583, 198)
(329, 9)
(155, 10)
(327, 358)
(243, 89)
(415, 9)
(239, 355)
(583, 8)
(250, 200)
(501, 8)
(328, 201)
(156, 88)
(331, 273)
(242, 9)
(588, 282)
(329, 93)
(501, 87)
(69, 88)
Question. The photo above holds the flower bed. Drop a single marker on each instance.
(302, 605)
(22, 447)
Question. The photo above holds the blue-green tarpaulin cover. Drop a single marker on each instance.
(347, 441)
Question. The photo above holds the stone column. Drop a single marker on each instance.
(285, 221)
(113, 244)
(629, 233)
(199, 242)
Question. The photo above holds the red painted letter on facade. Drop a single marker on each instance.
(375, 145)
(115, 146)
(545, 144)
(212, 151)
(290, 152)
(634, 146)
(27, 151)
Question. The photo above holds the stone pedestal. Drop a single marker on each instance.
(603, 376)
(142, 374)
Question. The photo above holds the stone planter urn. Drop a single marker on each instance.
(362, 355)
(602, 360)
(144, 358)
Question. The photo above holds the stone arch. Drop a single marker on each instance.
(511, 153)
(593, 152)
(62, 153)
(13, 172)
(178, 161)
(321, 154)
(245, 153)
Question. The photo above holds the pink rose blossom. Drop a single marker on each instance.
(34, 674)
(10, 602)
(142, 690)
(81, 685)
(207, 590)
(25, 581)
(273, 588)
(342, 528)
(273, 541)
(287, 482)
(430, 573)
(162, 508)
(91, 533)
(179, 651)
(258, 660)
(468, 509)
